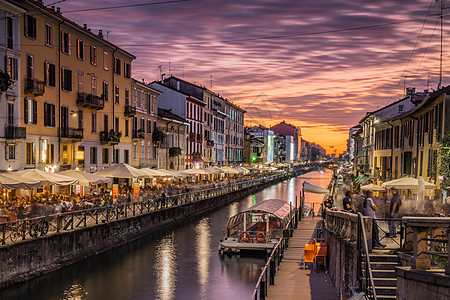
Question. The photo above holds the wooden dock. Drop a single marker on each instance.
(291, 280)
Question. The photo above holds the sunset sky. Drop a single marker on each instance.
(320, 65)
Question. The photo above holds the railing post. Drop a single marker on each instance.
(447, 266)
(3, 234)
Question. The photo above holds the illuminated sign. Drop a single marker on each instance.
(254, 158)
(79, 155)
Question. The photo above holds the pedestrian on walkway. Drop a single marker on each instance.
(369, 210)
(347, 202)
(394, 207)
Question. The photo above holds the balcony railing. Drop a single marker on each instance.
(139, 134)
(129, 111)
(14, 132)
(209, 143)
(192, 136)
(89, 100)
(199, 137)
(34, 87)
(107, 137)
(71, 133)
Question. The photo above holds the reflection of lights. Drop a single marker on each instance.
(165, 268)
(234, 209)
(74, 292)
(203, 249)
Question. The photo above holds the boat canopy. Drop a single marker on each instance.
(278, 208)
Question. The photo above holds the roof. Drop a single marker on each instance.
(277, 207)
(173, 89)
(167, 113)
(145, 85)
(384, 107)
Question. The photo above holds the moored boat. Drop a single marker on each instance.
(258, 228)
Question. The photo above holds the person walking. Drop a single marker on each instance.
(394, 207)
(347, 202)
(369, 210)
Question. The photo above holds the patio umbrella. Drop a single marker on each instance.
(311, 188)
(229, 170)
(407, 183)
(372, 187)
(86, 179)
(176, 173)
(9, 181)
(215, 170)
(242, 170)
(122, 171)
(45, 178)
(195, 171)
(155, 173)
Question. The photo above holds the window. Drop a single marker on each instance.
(116, 156)
(50, 74)
(134, 151)
(10, 152)
(30, 111)
(105, 155)
(142, 128)
(94, 85)
(117, 65)
(10, 113)
(142, 150)
(400, 108)
(127, 97)
(116, 95)
(12, 68)
(149, 103)
(126, 156)
(127, 127)
(93, 155)
(80, 119)
(80, 49)
(48, 35)
(9, 32)
(148, 149)
(65, 42)
(127, 70)
(105, 122)
(66, 79)
(105, 60)
(49, 114)
(30, 153)
(94, 121)
(105, 93)
(30, 26)
(80, 82)
(116, 124)
(149, 126)
(93, 55)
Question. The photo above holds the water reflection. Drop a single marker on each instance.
(233, 209)
(203, 249)
(75, 292)
(165, 268)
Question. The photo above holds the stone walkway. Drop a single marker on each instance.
(291, 281)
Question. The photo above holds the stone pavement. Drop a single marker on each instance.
(291, 280)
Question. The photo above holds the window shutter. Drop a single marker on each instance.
(25, 111)
(25, 25)
(45, 114)
(53, 115)
(69, 80)
(34, 112)
(16, 69)
(62, 41)
(34, 27)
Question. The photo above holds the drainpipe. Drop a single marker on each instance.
(113, 101)
(392, 145)
(59, 90)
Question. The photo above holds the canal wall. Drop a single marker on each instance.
(30, 258)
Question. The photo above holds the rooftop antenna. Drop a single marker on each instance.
(160, 71)
(107, 34)
(441, 16)
(170, 73)
(210, 86)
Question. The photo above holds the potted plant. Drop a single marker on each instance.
(158, 136)
(174, 151)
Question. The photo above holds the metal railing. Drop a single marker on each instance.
(24, 229)
(269, 270)
(15, 132)
(34, 86)
(365, 275)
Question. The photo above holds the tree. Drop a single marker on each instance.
(445, 160)
(158, 136)
(174, 151)
(5, 82)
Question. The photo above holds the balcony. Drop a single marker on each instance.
(196, 157)
(130, 111)
(192, 136)
(34, 87)
(15, 133)
(199, 137)
(110, 137)
(71, 133)
(89, 100)
(209, 143)
(139, 134)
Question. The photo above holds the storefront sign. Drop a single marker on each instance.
(115, 191)
(136, 190)
(78, 189)
(79, 155)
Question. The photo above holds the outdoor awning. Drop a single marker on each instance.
(311, 188)
(372, 187)
(229, 170)
(215, 170)
(277, 207)
(45, 178)
(362, 152)
(122, 171)
(9, 181)
(362, 179)
(86, 179)
(407, 183)
(195, 171)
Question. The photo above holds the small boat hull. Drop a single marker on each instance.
(235, 245)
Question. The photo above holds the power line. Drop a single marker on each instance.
(124, 6)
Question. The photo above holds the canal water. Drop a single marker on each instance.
(182, 263)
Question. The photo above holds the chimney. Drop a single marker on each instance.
(100, 33)
(53, 7)
(85, 26)
(410, 91)
(58, 10)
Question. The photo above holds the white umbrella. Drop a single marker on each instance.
(122, 171)
(311, 188)
(176, 173)
(229, 170)
(407, 183)
(9, 181)
(86, 179)
(215, 170)
(45, 178)
(195, 171)
(155, 173)
(372, 187)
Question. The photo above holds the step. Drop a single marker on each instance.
(383, 265)
(383, 258)
(383, 274)
(386, 297)
(386, 290)
(385, 281)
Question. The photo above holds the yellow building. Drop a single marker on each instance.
(76, 85)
